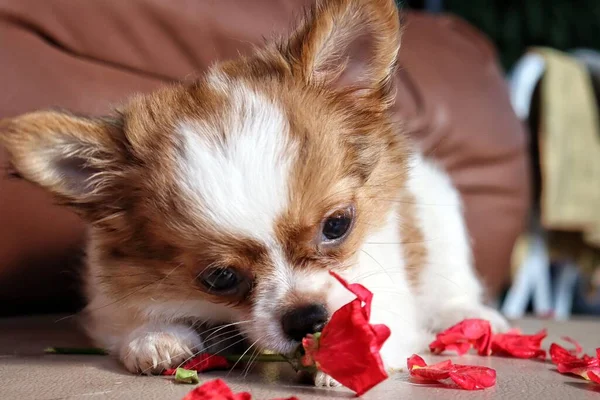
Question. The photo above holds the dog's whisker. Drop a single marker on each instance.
(221, 327)
(203, 350)
(388, 271)
(252, 361)
(222, 334)
(227, 347)
(242, 356)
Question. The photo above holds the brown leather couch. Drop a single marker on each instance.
(87, 56)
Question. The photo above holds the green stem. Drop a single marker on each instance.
(75, 350)
(101, 352)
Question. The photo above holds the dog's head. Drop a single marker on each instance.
(231, 198)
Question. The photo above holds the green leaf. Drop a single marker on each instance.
(183, 375)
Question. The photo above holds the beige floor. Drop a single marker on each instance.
(26, 373)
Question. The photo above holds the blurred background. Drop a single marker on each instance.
(514, 25)
(504, 94)
(548, 50)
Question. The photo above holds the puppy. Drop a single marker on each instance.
(228, 200)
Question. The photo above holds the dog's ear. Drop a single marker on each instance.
(350, 44)
(73, 157)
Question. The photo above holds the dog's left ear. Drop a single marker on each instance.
(351, 45)
(75, 158)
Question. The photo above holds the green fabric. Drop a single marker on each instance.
(515, 25)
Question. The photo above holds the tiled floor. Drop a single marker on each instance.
(27, 373)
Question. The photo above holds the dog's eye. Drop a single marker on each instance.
(220, 280)
(337, 225)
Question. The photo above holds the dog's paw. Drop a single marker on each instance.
(324, 380)
(152, 349)
(454, 315)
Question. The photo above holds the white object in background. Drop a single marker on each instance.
(532, 280)
(522, 83)
(564, 290)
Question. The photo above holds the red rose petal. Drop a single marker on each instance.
(461, 337)
(578, 367)
(202, 362)
(466, 377)
(473, 377)
(215, 390)
(348, 348)
(578, 349)
(514, 331)
(415, 360)
(559, 354)
(518, 345)
(567, 362)
(435, 372)
(594, 376)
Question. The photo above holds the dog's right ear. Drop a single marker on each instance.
(73, 157)
(349, 45)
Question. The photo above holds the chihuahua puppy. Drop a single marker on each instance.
(228, 200)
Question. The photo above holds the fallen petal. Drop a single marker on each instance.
(473, 377)
(559, 354)
(215, 390)
(202, 363)
(461, 337)
(594, 376)
(466, 377)
(578, 349)
(519, 345)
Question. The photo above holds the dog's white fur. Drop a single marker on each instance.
(248, 172)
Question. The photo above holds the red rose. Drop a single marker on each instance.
(348, 347)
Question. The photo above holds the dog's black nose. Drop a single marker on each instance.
(303, 320)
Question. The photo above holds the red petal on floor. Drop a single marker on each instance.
(202, 363)
(435, 372)
(587, 367)
(415, 360)
(461, 337)
(559, 354)
(473, 377)
(594, 376)
(467, 377)
(215, 390)
(578, 349)
(519, 345)
(578, 367)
